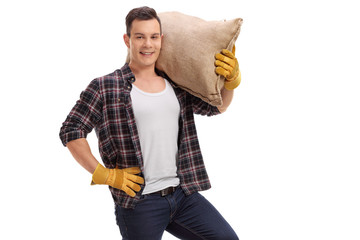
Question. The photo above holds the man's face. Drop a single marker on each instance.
(144, 42)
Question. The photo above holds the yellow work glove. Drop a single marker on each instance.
(123, 179)
(228, 66)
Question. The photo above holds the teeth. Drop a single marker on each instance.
(146, 53)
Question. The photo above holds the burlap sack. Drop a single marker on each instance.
(188, 49)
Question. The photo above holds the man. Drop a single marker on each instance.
(145, 126)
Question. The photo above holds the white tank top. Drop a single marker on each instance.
(157, 120)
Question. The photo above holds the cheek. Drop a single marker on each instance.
(134, 48)
(158, 45)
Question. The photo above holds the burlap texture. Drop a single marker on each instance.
(188, 49)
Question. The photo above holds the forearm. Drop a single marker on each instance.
(228, 67)
(227, 96)
(81, 151)
(124, 179)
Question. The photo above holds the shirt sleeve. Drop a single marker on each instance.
(203, 108)
(84, 116)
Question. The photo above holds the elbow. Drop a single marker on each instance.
(222, 109)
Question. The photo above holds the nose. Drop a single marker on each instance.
(147, 42)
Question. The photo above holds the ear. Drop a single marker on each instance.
(161, 38)
(126, 40)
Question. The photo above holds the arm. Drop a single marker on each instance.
(82, 119)
(227, 96)
(124, 179)
(80, 150)
(227, 66)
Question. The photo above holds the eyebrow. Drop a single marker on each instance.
(144, 34)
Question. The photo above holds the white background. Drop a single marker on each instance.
(283, 161)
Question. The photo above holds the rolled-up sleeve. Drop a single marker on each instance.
(84, 116)
(203, 108)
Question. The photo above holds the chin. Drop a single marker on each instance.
(140, 61)
(149, 63)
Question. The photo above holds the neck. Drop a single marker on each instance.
(143, 72)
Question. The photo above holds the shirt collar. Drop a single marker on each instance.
(128, 75)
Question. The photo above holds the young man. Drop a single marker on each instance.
(145, 126)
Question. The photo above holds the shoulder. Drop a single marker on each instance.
(115, 79)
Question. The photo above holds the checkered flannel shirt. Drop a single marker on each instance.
(106, 106)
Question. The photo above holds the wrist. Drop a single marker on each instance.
(100, 175)
(231, 85)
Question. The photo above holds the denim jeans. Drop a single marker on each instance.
(185, 217)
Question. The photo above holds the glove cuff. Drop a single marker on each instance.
(231, 85)
(100, 175)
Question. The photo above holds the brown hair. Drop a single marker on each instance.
(141, 13)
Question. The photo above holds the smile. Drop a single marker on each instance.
(146, 53)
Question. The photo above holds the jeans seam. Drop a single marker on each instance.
(189, 229)
(126, 228)
(125, 225)
(175, 210)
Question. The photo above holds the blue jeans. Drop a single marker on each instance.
(185, 217)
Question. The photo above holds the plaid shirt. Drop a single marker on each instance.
(106, 106)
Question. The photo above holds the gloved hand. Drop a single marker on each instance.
(124, 179)
(228, 66)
